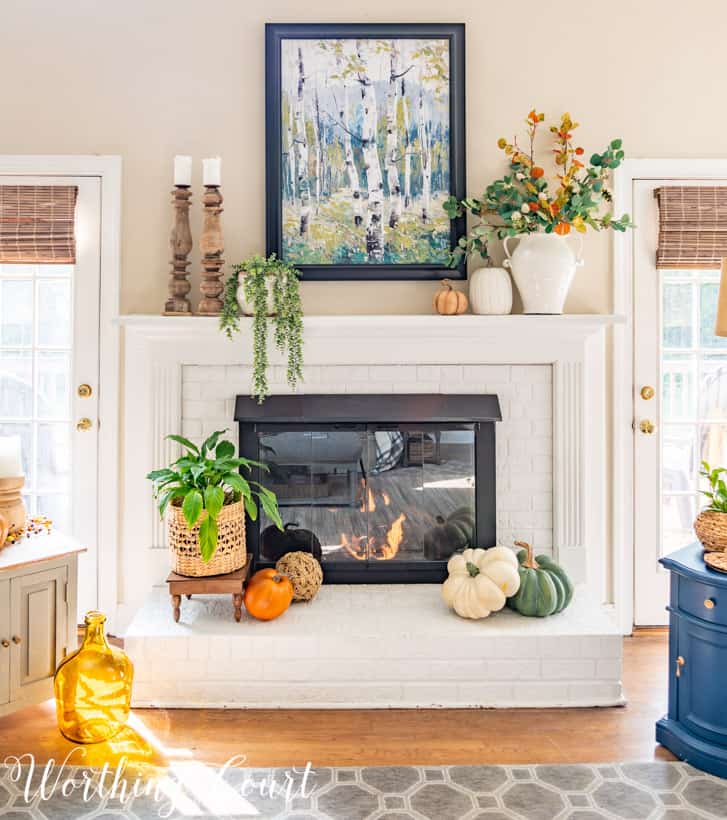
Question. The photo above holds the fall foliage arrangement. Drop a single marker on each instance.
(526, 201)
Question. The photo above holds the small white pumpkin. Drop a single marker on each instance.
(480, 581)
(491, 292)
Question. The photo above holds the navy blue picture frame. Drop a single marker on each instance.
(275, 33)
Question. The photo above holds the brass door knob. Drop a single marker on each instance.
(647, 392)
(5, 642)
(85, 391)
(680, 664)
(17, 639)
(84, 424)
(647, 427)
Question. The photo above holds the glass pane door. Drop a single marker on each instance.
(36, 330)
(694, 397)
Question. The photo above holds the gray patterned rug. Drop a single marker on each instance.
(642, 791)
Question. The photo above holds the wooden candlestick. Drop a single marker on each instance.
(180, 242)
(11, 502)
(211, 246)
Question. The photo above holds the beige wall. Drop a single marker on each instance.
(147, 79)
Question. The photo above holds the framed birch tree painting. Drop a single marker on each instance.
(365, 141)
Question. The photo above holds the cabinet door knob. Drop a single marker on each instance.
(5, 642)
(709, 603)
(17, 639)
(680, 664)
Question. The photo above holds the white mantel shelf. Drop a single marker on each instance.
(514, 339)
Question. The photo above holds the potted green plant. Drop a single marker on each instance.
(205, 498)
(266, 289)
(523, 204)
(711, 523)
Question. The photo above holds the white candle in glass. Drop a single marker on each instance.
(11, 462)
(212, 171)
(182, 170)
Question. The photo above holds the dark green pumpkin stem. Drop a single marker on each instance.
(529, 561)
(473, 569)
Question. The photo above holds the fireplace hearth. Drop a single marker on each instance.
(380, 488)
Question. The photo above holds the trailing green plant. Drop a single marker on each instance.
(523, 201)
(717, 494)
(287, 318)
(206, 478)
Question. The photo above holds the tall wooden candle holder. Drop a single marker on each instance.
(211, 245)
(180, 242)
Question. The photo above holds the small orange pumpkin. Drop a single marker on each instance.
(449, 301)
(268, 594)
(4, 530)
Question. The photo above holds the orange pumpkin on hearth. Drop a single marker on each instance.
(449, 301)
(268, 594)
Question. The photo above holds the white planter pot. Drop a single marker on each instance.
(491, 292)
(543, 266)
(247, 308)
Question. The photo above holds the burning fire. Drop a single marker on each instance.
(369, 502)
(361, 548)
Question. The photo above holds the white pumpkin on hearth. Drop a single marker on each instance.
(480, 581)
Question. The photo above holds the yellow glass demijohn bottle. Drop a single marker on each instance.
(93, 687)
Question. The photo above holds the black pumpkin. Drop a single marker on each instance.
(276, 544)
(454, 533)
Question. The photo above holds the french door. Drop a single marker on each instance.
(49, 378)
(680, 401)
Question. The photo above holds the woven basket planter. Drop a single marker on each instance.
(711, 529)
(230, 554)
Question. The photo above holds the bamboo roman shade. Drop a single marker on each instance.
(692, 226)
(37, 224)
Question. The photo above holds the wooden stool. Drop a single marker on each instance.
(232, 583)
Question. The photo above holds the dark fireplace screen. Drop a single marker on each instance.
(376, 501)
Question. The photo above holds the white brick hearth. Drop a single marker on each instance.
(373, 646)
(382, 645)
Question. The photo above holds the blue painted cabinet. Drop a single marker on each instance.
(695, 728)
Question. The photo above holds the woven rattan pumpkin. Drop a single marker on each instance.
(304, 572)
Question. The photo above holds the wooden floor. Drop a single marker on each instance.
(379, 737)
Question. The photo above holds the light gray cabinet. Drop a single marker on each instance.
(5, 638)
(37, 601)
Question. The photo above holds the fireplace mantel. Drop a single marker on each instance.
(156, 349)
(513, 339)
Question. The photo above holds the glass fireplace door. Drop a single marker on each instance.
(360, 497)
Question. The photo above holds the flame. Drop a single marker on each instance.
(394, 537)
(369, 502)
(361, 548)
(357, 547)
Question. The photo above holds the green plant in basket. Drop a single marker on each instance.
(205, 479)
(717, 493)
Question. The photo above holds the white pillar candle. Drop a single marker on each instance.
(11, 463)
(212, 171)
(182, 170)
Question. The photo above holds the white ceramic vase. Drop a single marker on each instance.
(543, 266)
(247, 308)
(491, 292)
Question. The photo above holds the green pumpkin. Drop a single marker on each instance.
(450, 535)
(545, 589)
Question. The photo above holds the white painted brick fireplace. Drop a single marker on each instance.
(524, 437)
(383, 645)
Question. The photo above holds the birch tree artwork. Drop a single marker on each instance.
(366, 158)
